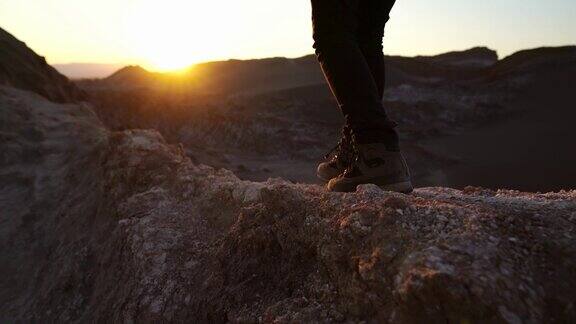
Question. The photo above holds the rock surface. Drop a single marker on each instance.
(99, 226)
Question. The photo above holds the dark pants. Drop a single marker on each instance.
(348, 41)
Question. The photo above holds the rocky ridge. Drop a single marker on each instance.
(120, 226)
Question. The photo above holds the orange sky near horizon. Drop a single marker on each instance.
(172, 34)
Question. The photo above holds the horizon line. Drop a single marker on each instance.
(121, 65)
(128, 63)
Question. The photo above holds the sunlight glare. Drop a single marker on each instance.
(171, 34)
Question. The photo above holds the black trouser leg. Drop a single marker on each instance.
(348, 42)
(372, 20)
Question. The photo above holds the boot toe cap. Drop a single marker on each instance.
(327, 171)
(340, 184)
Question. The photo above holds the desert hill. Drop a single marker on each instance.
(133, 75)
(477, 57)
(101, 225)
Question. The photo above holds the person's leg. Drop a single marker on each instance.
(336, 27)
(351, 57)
(373, 17)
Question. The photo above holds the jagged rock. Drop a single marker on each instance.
(20, 67)
(102, 226)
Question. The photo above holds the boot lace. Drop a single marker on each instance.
(344, 152)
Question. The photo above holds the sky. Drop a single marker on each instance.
(171, 34)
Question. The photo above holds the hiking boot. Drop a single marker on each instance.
(374, 164)
(338, 159)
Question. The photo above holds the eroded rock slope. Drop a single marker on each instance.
(100, 226)
(20, 67)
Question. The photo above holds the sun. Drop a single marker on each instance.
(166, 35)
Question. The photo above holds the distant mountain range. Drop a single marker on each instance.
(475, 57)
(87, 70)
(272, 74)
